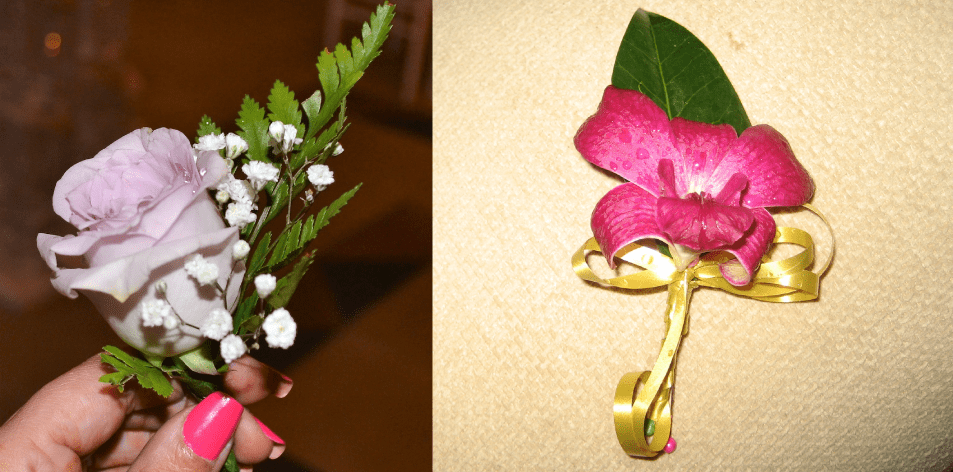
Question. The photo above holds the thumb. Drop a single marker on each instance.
(195, 439)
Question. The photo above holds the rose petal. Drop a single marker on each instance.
(123, 277)
(702, 225)
(750, 249)
(86, 170)
(118, 288)
(775, 177)
(701, 147)
(628, 135)
(625, 214)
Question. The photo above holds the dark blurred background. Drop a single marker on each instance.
(77, 75)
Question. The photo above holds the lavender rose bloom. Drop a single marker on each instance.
(142, 210)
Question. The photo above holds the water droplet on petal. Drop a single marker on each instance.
(613, 165)
(625, 137)
(641, 154)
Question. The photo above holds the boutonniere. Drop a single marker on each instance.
(694, 210)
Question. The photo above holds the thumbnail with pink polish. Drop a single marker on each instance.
(211, 424)
(268, 432)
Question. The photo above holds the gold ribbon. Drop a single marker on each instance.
(642, 396)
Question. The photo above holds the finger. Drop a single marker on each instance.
(250, 381)
(121, 450)
(255, 442)
(152, 419)
(78, 412)
(197, 439)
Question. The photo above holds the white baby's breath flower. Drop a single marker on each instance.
(265, 284)
(154, 312)
(161, 287)
(240, 250)
(232, 348)
(218, 324)
(240, 214)
(288, 140)
(320, 176)
(171, 322)
(276, 129)
(338, 149)
(239, 191)
(259, 172)
(206, 273)
(222, 196)
(236, 189)
(280, 329)
(283, 137)
(234, 145)
(210, 142)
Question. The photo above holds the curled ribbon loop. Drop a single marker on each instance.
(643, 400)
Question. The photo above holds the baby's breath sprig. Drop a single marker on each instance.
(281, 152)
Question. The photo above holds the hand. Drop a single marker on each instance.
(77, 423)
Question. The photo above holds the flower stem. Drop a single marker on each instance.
(644, 398)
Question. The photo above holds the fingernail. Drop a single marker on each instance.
(284, 386)
(211, 424)
(268, 432)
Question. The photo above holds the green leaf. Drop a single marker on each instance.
(206, 127)
(115, 378)
(283, 107)
(200, 359)
(254, 129)
(324, 216)
(293, 240)
(312, 106)
(286, 287)
(231, 463)
(666, 62)
(154, 359)
(340, 70)
(649, 427)
(200, 388)
(280, 197)
(245, 314)
(287, 243)
(127, 367)
(261, 251)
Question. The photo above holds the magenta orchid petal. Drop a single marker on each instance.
(749, 250)
(701, 147)
(666, 173)
(628, 135)
(702, 224)
(731, 193)
(624, 215)
(775, 176)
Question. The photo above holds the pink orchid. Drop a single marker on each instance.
(697, 187)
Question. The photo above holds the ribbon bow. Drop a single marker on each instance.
(646, 412)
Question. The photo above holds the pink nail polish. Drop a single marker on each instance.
(268, 432)
(211, 424)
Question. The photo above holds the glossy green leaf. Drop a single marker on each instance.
(666, 62)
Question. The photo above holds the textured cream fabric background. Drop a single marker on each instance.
(527, 357)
